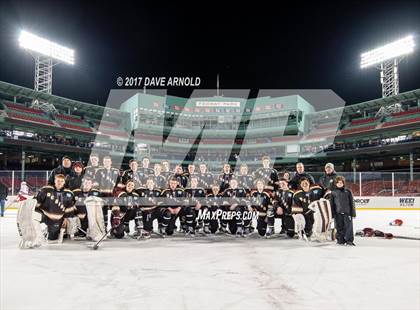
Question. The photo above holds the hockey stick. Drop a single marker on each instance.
(96, 245)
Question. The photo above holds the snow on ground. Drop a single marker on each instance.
(220, 273)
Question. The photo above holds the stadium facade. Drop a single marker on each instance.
(211, 129)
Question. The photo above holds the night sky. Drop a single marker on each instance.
(301, 45)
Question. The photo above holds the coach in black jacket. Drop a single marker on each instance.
(299, 174)
(343, 211)
(327, 180)
(64, 169)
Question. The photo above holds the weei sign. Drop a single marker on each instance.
(387, 203)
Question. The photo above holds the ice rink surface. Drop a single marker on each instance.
(209, 273)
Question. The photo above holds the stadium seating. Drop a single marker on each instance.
(30, 118)
(21, 108)
(408, 112)
(403, 118)
(75, 127)
(68, 118)
(110, 132)
(361, 121)
(400, 122)
(72, 122)
(350, 130)
(110, 128)
(21, 112)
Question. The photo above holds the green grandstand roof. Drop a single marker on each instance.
(94, 111)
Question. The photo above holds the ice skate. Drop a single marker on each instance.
(239, 232)
(269, 233)
(190, 232)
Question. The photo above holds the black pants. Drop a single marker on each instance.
(288, 224)
(188, 212)
(166, 220)
(213, 224)
(53, 227)
(309, 223)
(344, 226)
(149, 216)
(265, 219)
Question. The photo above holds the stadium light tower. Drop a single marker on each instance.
(386, 59)
(46, 55)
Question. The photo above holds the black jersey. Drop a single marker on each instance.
(214, 200)
(205, 180)
(128, 200)
(136, 176)
(224, 180)
(234, 196)
(81, 195)
(160, 181)
(181, 178)
(106, 179)
(260, 201)
(74, 181)
(246, 181)
(195, 195)
(173, 198)
(90, 171)
(55, 204)
(284, 200)
(303, 199)
(145, 173)
(269, 176)
(149, 198)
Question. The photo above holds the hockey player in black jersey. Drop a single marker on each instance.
(145, 169)
(55, 204)
(166, 169)
(225, 177)
(196, 196)
(260, 201)
(234, 200)
(133, 174)
(106, 179)
(180, 176)
(80, 195)
(245, 179)
(149, 204)
(125, 209)
(190, 172)
(159, 178)
(303, 197)
(283, 203)
(267, 174)
(213, 203)
(173, 202)
(205, 178)
(93, 166)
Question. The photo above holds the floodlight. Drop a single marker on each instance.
(386, 59)
(46, 47)
(46, 55)
(389, 51)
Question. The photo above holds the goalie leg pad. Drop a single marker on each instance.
(28, 224)
(95, 218)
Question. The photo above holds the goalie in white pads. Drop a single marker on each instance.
(322, 229)
(54, 205)
(88, 208)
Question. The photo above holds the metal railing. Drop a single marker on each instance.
(361, 183)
